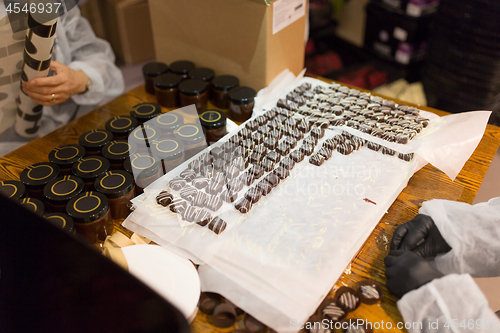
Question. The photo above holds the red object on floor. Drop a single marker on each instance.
(367, 77)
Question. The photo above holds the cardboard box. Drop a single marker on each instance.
(231, 37)
(128, 29)
(90, 9)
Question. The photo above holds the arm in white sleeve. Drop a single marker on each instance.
(452, 303)
(473, 233)
(94, 57)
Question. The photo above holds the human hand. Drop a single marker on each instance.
(407, 271)
(421, 236)
(56, 89)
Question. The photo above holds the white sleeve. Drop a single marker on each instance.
(94, 57)
(473, 233)
(452, 303)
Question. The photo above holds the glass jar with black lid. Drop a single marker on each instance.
(62, 221)
(214, 123)
(121, 126)
(60, 191)
(166, 89)
(90, 213)
(182, 67)
(118, 187)
(220, 86)
(168, 122)
(89, 169)
(117, 152)
(241, 103)
(145, 168)
(65, 156)
(144, 136)
(193, 138)
(33, 204)
(150, 71)
(145, 111)
(170, 151)
(12, 189)
(36, 176)
(203, 73)
(195, 92)
(93, 141)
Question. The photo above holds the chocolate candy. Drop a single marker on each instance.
(235, 185)
(326, 153)
(345, 148)
(317, 160)
(232, 172)
(164, 198)
(388, 151)
(264, 129)
(297, 156)
(217, 225)
(219, 178)
(188, 174)
(334, 312)
(177, 183)
(406, 157)
(255, 158)
(253, 195)
(178, 205)
(200, 182)
(256, 171)
(357, 142)
(188, 193)
(247, 143)
(317, 132)
(257, 137)
(236, 139)
(290, 142)
(310, 140)
(247, 178)
(240, 163)
(214, 187)
(307, 149)
(272, 179)
(402, 138)
(283, 149)
(195, 165)
(275, 134)
(208, 302)
(281, 172)
(252, 125)
(287, 163)
(244, 205)
(264, 187)
(261, 149)
(267, 164)
(330, 144)
(273, 156)
(253, 325)
(296, 134)
(347, 298)
(370, 291)
(207, 171)
(229, 196)
(270, 143)
(373, 146)
(219, 164)
(337, 122)
(200, 198)
(202, 217)
(213, 203)
(216, 152)
(189, 213)
(229, 147)
(224, 315)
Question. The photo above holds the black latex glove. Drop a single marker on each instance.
(407, 271)
(421, 236)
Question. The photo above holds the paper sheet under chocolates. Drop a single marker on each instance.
(280, 260)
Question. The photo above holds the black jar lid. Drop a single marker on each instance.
(241, 95)
(95, 139)
(168, 149)
(118, 151)
(121, 125)
(62, 221)
(167, 81)
(202, 73)
(13, 189)
(153, 69)
(192, 87)
(213, 119)
(90, 168)
(88, 207)
(142, 165)
(37, 175)
(66, 155)
(63, 189)
(145, 111)
(144, 135)
(225, 82)
(34, 205)
(189, 133)
(114, 184)
(182, 67)
(169, 121)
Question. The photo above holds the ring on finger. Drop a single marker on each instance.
(53, 100)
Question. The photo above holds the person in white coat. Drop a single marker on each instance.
(84, 76)
(433, 259)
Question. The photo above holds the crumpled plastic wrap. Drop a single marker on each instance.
(281, 259)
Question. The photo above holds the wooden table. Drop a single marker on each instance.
(426, 184)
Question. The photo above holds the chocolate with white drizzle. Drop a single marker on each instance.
(347, 298)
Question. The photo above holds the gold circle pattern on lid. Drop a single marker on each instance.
(160, 144)
(65, 179)
(144, 130)
(10, 185)
(166, 116)
(27, 201)
(126, 122)
(65, 150)
(114, 143)
(89, 159)
(44, 175)
(210, 116)
(88, 194)
(97, 138)
(59, 218)
(108, 174)
(144, 109)
(136, 156)
(187, 130)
